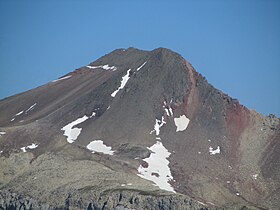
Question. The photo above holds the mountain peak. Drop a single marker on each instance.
(141, 121)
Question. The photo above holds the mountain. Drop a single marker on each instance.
(136, 130)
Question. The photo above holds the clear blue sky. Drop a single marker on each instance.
(235, 44)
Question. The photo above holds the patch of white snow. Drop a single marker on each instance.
(62, 78)
(201, 203)
(73, 133)
(2, 133)
(158, 125)
(181, 123)
(170, 110)
(167, 112)
(141, 66)
(105, 67)
(158, 170)
(255, 176)
(19, 113)
(99, 146)
(31, 108)
(31, 146)
(93, 114)
(125, 78)
(216, 151)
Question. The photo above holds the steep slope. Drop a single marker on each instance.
(149, 119)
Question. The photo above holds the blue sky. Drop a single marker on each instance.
(235, 44)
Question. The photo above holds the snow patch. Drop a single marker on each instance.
(2, 133)
(216, 151)
(99, 146)
(171, 111)
(158, 125)
(158, 170)
(255, 176)
(181, 123)
(31, 108)
(31, 146)
(17, 114)
(93, 114)
(141, 66)
(73, 133)
(167, 109)
(105, 67)
(62, 78)
(201, 203)
(167, 112)
(125, 78)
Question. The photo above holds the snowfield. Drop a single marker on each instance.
(158, 170)
(181, 123)
(73, 133)
(99, 146)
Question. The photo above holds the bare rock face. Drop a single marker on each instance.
(136, 130)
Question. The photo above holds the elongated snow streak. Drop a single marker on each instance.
(216, 151)
(17, 114)
(31, 146)
(99, 146)
(158, 170)
(141, 66)
(31, 107)
(125, 78)
(73, 133)
(63, 78)
(181, 123)
(105, 67)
